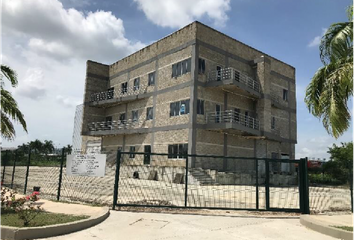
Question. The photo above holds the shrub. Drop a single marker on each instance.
(24, 207)
(326, 179)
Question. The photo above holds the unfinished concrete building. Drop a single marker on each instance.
(196, 91)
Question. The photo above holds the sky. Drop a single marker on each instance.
(48, 43)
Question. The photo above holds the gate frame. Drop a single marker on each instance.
(302, 184)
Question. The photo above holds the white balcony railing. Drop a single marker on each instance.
(231, 73)
(118, 93)
(115, 125)
(231, 116)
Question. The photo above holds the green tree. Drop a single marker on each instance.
(330, 88)
(9, 108)
(36, 146)
(343, 157)
(48, 147)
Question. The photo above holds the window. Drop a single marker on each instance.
(179, 108)
(200, 107)
(122, 117)
(218, 73)
(177, 150)
(132, 152)
(285, 95)
(149, 113)
(246, 119)
(151, 79)
(110, 93)
(108, 123)
(201, 66)
(135, 116)
(181, 68)
(124, 88)
(273, 123)
(136, 84)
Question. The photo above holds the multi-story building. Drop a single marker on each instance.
(197, 91)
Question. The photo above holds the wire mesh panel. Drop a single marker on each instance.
(98, 190)
(284, 192)
(329, 198)
(151, 180)
(225, 182)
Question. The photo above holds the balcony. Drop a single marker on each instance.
(117, 96)
(117, 127)
(232, 122)
(231, 79)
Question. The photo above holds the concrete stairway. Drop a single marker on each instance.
(202, 177)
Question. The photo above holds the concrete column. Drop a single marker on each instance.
(263, 105)
(192, 138)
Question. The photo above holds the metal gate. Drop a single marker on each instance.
(210, 182)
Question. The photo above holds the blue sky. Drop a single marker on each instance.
(49, 45)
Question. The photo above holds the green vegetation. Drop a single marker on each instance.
(11, 218)
(339, 170)
(346, 228)
(9, 108)
(331, 87)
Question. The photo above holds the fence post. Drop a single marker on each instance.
(186, 184)
(304, 187)
(60, 173)
(267, 183)
(306, 190)
(351, 186)
(257, 194)
(116, 180)
(13, 171)
(3, 171)
(28, 164)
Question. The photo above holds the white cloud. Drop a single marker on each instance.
(48, 46)
(317, 40)
(32, 86)
(67, 33)
(68, 101)
(178, 13)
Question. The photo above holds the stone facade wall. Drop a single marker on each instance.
(193, 42)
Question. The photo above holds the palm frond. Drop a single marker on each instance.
(337, 42)
(7, 128)
(10, 108)
(9, 74)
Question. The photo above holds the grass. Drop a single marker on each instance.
(346, 228)
(10, 218)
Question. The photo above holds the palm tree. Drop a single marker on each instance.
(330, 88)
(9, 108)
(36, 145)
(48, 147)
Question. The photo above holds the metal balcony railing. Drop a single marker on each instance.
(230, 116)
(114, 125)
(233, 74)
(117, 93)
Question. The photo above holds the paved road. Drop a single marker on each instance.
(158, 226)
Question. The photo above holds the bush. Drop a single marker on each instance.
(24, 207)
(324, 179)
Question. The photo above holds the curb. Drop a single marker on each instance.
(13, 233)
(318, 226)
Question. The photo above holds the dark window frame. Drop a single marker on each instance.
(285, 95)
(200, 107)
(201, 66)
(149, 113)
(151, 79)
(124, 88)
(136, 84)
(177, 151)
(135, 113)
(132, 152)
(272, 126)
